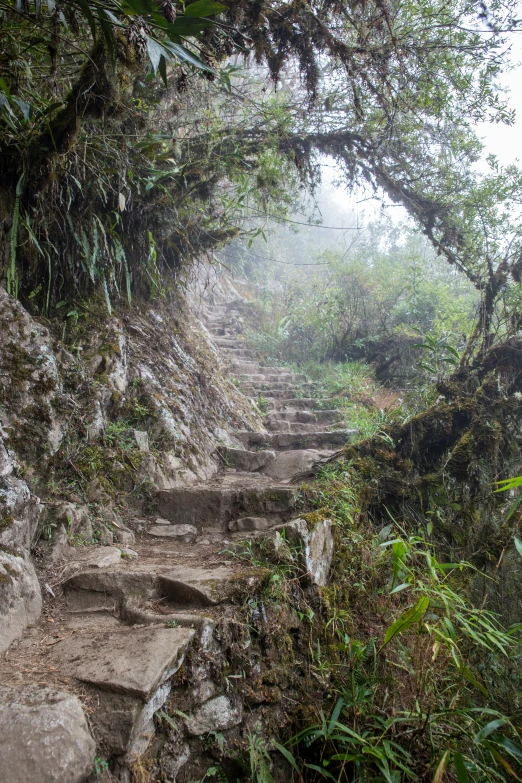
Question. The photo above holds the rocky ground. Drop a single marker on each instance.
(134, 629)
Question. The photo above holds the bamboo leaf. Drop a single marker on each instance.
(407, 619)
(335, 714)
(460, 767)
(507, 766)
(288, 756)
(439, 772)
(204, 8)
(488, 729)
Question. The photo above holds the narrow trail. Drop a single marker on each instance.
(121, 622)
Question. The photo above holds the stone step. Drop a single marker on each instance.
(300, 427)
(245, 367)
(216, 506)
(284, 465)
(283, 441)
(281, 403)
(125, 671)
(234, 353)
(303, 416)
(272, 377)
(227, 342)
(116, 589)
(267, 389)
(270, 394)
(244, 460)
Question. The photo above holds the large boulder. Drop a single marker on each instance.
(44, 736)
(20, 598)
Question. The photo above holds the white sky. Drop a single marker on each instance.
(505, 141)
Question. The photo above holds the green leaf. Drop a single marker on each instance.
(288, 756)
(403, 586)
(86, 11)
(460, 768)
(518, 545)
(182, 53)
(156, 52)
(335, 714)
(514, 507)
(508, 745)
(204, 8)
(488, 729)
(322, 771)
(510, 483)
(407, 619)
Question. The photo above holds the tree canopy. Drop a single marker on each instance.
(133, 135)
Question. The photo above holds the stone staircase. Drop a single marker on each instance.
(124, 620)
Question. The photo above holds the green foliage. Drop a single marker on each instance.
(388, 288)
(414, 706)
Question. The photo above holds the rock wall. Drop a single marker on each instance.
(150, 377)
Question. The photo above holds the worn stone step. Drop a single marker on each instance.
(243, 353)
(245, 366)
(268, 389)
(283, 441)
(282, 403)
(299, 427)
(305, 416)
(270, 394)
(128, 671)
(289, 465)
(245, 460)
(227, 342)
(216, 506)
(271, 378)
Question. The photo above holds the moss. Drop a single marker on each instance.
(113, 468)
(6, 521)
(314, 517)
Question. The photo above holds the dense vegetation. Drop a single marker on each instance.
(138, 136)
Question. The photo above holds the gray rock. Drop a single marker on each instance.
(244, 460)
(31, 381)
(288, 464)
(132, 661)
(58, 547)
(124, 536)
(20, 513)
(104, 535)
(20, 598)
(214, 715)
(44, 736)
(142, 440)
(317, 546)
(188, 532)
(277, 550)
(248, 524)
(75, 517)
(130, 553)
(96, 557)
(203, 691)
(6, 463)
